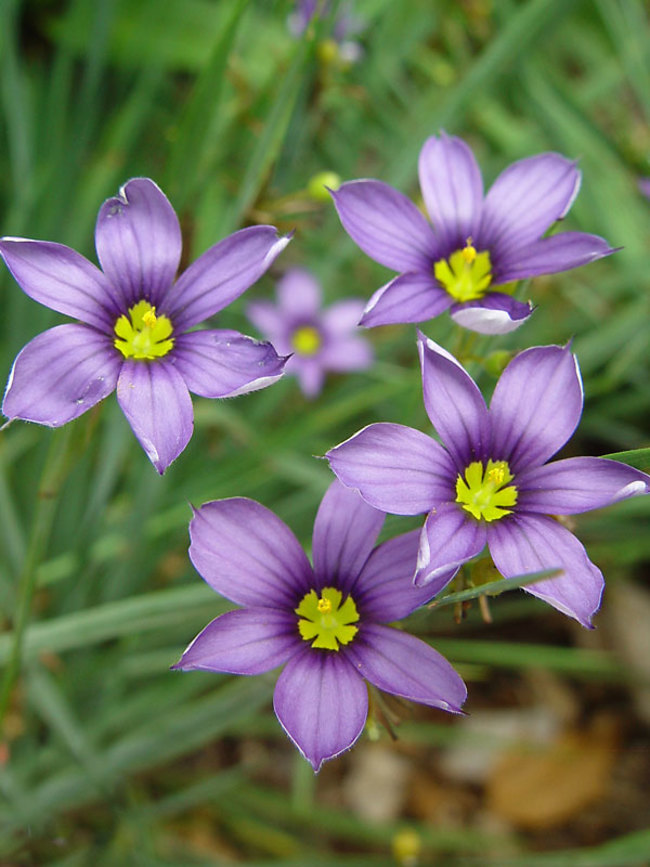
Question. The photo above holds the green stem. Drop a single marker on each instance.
(54, 472)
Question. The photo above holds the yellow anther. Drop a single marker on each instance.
(496, 475)
(466, 274)
(484, 491)
(327, 620)
(141, 334)
(469, 252)
(149, 318)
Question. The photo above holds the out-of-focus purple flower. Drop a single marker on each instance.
(346, 26)
(325, 621)
(320, 340)
(477, 243)
(489, 482)
(644, 186)
(133, 332)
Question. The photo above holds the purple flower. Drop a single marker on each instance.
(490, 483)
(644, 186)
(477, 243)
(346, 25)
(320, 340)
(134, 323)
(325, 622)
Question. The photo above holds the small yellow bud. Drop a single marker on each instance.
(327, 51)
(324, 606)
(316, 187)
(407, 847)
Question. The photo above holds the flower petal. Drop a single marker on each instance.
(386, 225)
(321, 703)
(222, 274)
(309, 372)
(452, 188)
(577, 485)
(299, 293)
(223, 363)
(342, 318)
(404, 665)
(345, 354)
(63, 280)
(536, 406)
(497, 313)
(60, 374)
(449, 538)
(245, 641)
(525, 200)
(454, 404)
(395, 468)
(138, 241)
(247, 554)
(155, 400)
(530, 543)
(552, 255)
(384, 591)
(414, 297)
(271, 322)
(345, 531)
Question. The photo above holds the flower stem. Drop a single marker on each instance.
(56, 468)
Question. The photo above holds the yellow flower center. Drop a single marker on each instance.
(143, 334)
(483, 492)
(306, 340)
(325, 620)
(466, 275)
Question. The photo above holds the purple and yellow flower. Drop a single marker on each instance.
(319, 340)
(490, 483)
(478, 245)
(134, 322)
(341, 46)
(324, 623)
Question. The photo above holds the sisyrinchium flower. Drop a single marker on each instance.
(490, 483)
(134, 330)
(341, 46)
(477, 245)
(644, 186)
(324, 623)
(319, 339)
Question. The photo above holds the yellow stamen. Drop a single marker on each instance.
(325, 621)
(482, 492)
(469, 251)
(149, 318)
(466, 275)
(142, 334)
(324, 606)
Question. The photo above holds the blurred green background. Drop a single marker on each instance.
(110, 759)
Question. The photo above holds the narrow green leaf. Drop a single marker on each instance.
(494, 588)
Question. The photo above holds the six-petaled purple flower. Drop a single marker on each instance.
(134, 330)
(489, 482)
(319, 340)
(477, 244)
(324, 623)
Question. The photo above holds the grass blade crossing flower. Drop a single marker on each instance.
(489, 482)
